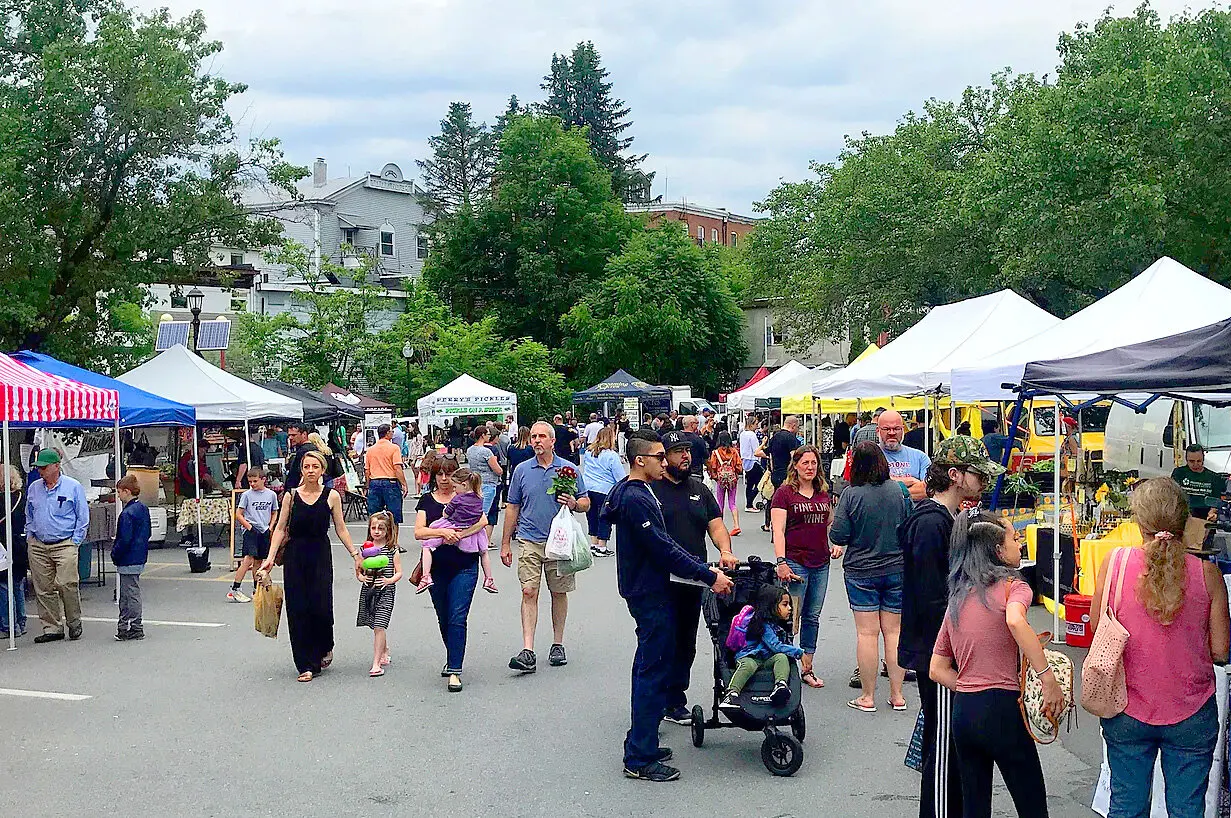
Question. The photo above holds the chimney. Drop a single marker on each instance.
(319, 173)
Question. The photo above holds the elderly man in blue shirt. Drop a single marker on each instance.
(57, 517)
(530, 512)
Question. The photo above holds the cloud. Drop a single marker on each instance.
(727, 97)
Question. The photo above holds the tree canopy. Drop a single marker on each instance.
(119, 169)
(459, 171)
(1061, 188)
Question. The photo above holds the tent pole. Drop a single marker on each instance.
(118, 508)
(8, 539)
(927, 422)
(196, 465)
(952, 416)
(1057, 635)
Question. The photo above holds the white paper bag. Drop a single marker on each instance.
(560, 538)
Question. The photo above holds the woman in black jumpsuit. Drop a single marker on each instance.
(307, 573)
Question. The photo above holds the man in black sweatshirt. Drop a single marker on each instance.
(958, 473)
(645, 561)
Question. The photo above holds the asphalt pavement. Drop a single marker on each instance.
(204, 717)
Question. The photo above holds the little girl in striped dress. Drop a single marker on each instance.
(376, 594)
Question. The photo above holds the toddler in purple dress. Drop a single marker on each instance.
(463, 511)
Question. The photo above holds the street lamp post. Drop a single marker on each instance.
(195, 298)
(408, 352)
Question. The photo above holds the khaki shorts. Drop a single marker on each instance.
(531, 568)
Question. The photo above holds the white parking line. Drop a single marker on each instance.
(43, 694)
(159, 622)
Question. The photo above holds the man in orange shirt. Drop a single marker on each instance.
(382, 463)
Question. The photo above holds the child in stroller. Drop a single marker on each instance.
(765, 643)
(754, 705)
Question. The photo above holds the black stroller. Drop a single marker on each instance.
(782, 753)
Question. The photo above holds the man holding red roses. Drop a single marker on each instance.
(537, 489)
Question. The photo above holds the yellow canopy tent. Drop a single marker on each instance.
(805, 405)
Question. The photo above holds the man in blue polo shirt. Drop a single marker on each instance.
(528, 514)
(57, 517)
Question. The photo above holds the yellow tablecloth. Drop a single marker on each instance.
(1125, 534)
(212, 511)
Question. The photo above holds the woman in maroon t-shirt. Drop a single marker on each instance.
(799, 516)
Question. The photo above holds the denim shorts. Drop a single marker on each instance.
(872, 594)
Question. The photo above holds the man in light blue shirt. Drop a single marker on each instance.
(57, 517)
(529, 513)
(906, 465)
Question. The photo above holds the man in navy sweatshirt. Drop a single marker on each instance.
(645, 561)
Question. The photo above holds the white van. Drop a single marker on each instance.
(1152, 443)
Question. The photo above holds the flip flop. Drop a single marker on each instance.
(863, 708)
(306, 676)
(327, 661)
(735, 531)
(804, 678)
(901, 708)
(375, 673)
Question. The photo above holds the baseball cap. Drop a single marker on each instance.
(675, 440)
(966, 452)
(47, 457)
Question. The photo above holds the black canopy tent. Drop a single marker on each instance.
(620, 385)
(315, 408)
(1194, 364)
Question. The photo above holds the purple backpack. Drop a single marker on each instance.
(737, 637)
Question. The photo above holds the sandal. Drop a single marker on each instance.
(765, 528)
(378, 672)
(306, 676)
(386, 660)
(901, 708)
(863, 708)
(424, 584)
(804, 677)
(327, 661)
(455, 685)
(735, 531)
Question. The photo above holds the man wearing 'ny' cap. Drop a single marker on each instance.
(959, 472)
(57, 517)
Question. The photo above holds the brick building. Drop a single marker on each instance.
(706, 225)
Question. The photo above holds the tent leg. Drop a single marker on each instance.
(1057, 634)
(118, 505)
(1007, 455)
(196, 465)
(927, 423)
(8, 539)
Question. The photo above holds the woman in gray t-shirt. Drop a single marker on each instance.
(483, 461)
(865, 526)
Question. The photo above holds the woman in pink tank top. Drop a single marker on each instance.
(1174, 607)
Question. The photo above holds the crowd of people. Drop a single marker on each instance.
(932, 583)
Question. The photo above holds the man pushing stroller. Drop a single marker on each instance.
(645, 561)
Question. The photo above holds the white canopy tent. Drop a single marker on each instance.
(217, 395)
(183, 376)
(782, 382)
(464, 396)
(923, 358)
(1167, 298)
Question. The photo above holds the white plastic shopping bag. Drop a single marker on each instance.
(560, 538)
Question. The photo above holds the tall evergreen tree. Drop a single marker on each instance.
(459, 171)
(579, 93)
(514, 110)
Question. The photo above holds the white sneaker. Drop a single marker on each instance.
(238, 596)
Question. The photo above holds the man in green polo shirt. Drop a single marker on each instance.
(1203, 487)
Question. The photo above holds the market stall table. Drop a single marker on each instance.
(206, 511)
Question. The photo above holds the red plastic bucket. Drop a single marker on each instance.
(1077, 629)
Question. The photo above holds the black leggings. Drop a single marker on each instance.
(987, 729)
(752, 478)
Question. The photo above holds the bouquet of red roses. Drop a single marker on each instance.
(565, 482)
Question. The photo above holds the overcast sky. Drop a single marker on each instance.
(727, 97)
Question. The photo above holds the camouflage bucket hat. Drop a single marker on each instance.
(967, 452)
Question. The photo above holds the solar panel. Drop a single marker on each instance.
(171, 333)
(214, 334)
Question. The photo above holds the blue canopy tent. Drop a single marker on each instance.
(137, 407)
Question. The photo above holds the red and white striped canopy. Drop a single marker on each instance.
(28, 395)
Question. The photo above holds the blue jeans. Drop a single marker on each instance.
(19, 605)
(652, 665)
(385, 495)
(1187, 751)
(490, 507)
(809, 595)
(451, 598)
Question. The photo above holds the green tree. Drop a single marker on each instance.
(511, 111)
(261, 344)
(118, 169)
(579, 93)
(664, 311)
(541, 241)
(459, 171)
